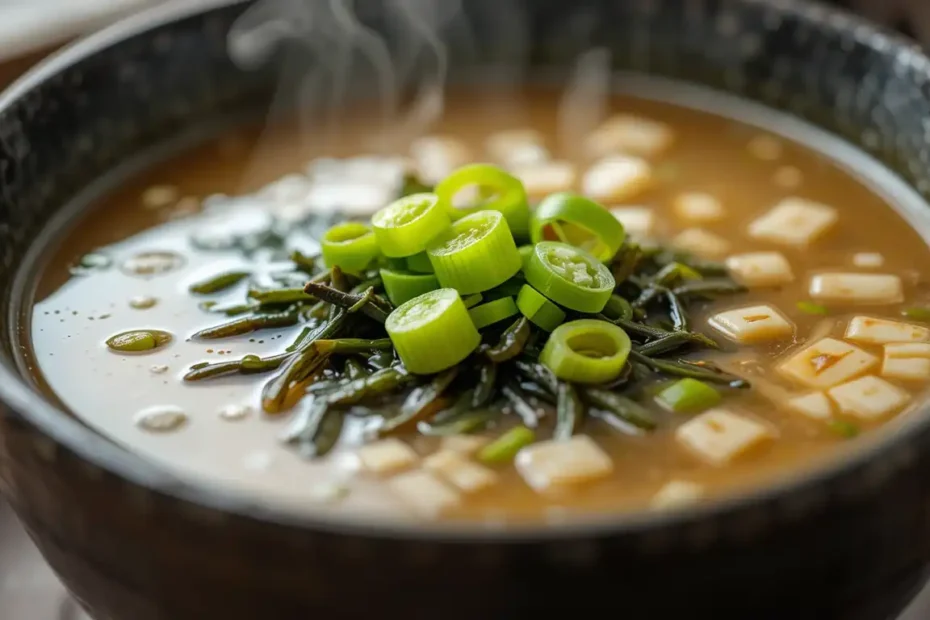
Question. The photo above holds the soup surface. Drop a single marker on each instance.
(827, 332)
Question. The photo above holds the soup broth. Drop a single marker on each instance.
(827, 332)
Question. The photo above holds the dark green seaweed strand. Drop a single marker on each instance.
(379, 383)
(704, 267)
(304, 263)
(676, 311)
(280, 296)
(316, 429)
(354, 370)
(421, 401)
(649, 293)
(463, 423)
(569, 412)
(665, 344)
(538, 392)
(716, 286)
(520, 405)
(381, 360)
(304, 333)
(539, 374)
(640, 330)
(485, 388)
(370, 308)
(199, 372)
(234, 310)
(626, 409)
(219, 283)
(306, 420)
(511, 342)
(461, 405)
(344, 346)
(689, 369)
(625, 262)
(247, 325)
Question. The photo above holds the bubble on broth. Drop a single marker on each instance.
(154, 263)
(160, 196)
(161, 419)
(143, 302)
(158, 369)
(91, 262)
(235, 412)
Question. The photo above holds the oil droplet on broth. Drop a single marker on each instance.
(158, 369)
(235, 412)
(161, 419)
(147, 264)
(143, 302)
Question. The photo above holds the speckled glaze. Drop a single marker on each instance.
(134, 543)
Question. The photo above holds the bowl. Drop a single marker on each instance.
(132, 541)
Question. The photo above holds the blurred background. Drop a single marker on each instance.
(30, 29)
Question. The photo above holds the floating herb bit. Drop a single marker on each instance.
(143, 302)
(161, 419)
(844, 429)
(917, 313)
(627, 410)
(219, 282)
(505, 448)
(147, 264)
(247, 325)
(810, 307)
(90, 263)
(570, 412)
(688, 396)
(138, 341)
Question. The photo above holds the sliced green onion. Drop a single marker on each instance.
(618, 308)
(525, 252)
(493, 311)
(432, 332)
(351, 246)
(688, 396)
(472, 300)
(401, 287)
(569, 276)
(586, 351)
(917, 313)
(404, 227)
(475, 254)
(505, 447)
(500, 191)
(809, 307)
(578, 221)
(510, 288)
(419, 263)
(540, 311)
(844, 429)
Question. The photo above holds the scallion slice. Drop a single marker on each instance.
(539, 310)
(419, 263)
(497, 190)
(505, 447)
(493, 311)
(586, 351)
(688, 396)
(475, 254)
(401, 287)
(351, 246)
(578, 221)
(404, 227)
(432, 332)
(569, 276)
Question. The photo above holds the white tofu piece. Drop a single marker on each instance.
(552, 464)
(766, 148)
(544, 178)
(857, 288)
(462, 473)
(794, 221)
(871, 330)
(869, 397)
(760, 269)
(698, 207)
(814, 405)
(638, 222)
(675, 494)
(387, 455)
(422, 491)
(718, 436)
(907, 362)
(752, 324)
(617, 178)
(701, 243)
(826, 363)
(515, 147)
(868, 260)
(625, 133)
(436, 156)
(465, 444)
(160, 196)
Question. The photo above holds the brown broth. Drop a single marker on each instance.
(74, 316)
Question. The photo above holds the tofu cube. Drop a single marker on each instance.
(638, 222)
(868, 260)
(544, 178)
(907, 362)
(617, 178)
(870, 330)
(465, 444)
(701, 243)
(456, 469)
(675, 494)
(553, 464)
(869, 397)
(437, 156)
(794, 221)
(698, 207)
(826, 363)
(752, 324)
(814, 405)
(386, 456)
(423, 492)
(718, 436)
(857, 288)
(626, 133)
(760, 269)
(517, 147)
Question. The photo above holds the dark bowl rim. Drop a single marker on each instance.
(94, 448)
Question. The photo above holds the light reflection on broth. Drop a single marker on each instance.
(714, 179)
